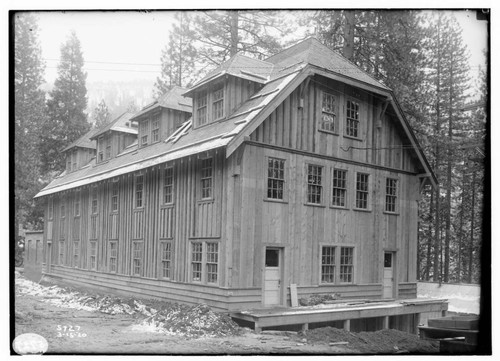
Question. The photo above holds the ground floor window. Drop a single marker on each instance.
(137, 258)
(113, 256)
(93, 255)
(61, 253)
(331, 256)
(205, 262)
(166, 259)
(76, 253)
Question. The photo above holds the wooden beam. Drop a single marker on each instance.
(386, 322)
(347, 325)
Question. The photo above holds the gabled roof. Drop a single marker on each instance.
(120, 124)
(239, 66)
(173, 99)
(84, 141)
(289, 71)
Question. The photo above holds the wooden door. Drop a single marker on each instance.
(272, 277)
(388, 283)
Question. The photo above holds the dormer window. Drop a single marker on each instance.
(155, 129)
(144, 132)
(201, 108)
(73, 160)
(100, 150)
(108, 151)
(218, 102)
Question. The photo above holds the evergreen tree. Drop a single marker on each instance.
(178, 57)
(66, 106)
(29, 114)
(101, 114)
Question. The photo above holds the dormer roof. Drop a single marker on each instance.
(85, 141)
(121, 124)
(173, 99)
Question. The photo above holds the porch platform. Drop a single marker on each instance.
(344, 311)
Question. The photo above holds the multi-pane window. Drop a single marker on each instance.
(94, 201)
(62, 221)
(68, 164)
(314, 187)
(166, 259)
(139, 187)
(362, 190)
(206, 178)
(201, 108)
(144, 131)
(212, 262)
(155, 129)
(114, 197)
(196, 261)
(137, 258)
(390, 194)
(352, 119)
(93, 255)
(328, 264)
(218, 103)
(100, 151)
(275, 178)
(50, 211)
(108, 151)
(61, 252)
(346, 264)
(73, 158)
(339, 188)
(77, 204)
(113, 256)
(168, 184)
(76, 253)
(328, 114)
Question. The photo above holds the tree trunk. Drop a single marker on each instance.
(234, 33)
(348, 49)
(471, 245)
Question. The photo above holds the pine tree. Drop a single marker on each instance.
(66, 106)
(29, 114)
(101, 115)
(178, 57)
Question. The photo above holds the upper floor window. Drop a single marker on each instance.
(100, 151)
(139, 186)
(108, 151)
(362, 190)
(206, 178)
(73, 159)
(328, 113)
(114, 197)
(50, 210)
(94, 200)
(275, 178)
(144, 131)
(314, 186)
(390, 194)
(168, 185)
(339, 188)
(218, 102)
(77, 204)
(155, 129)
(201, 108)
(352, 119)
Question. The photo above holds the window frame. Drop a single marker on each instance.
(329, 112)
(100, 150)
(50, 209)
(144, 129)
(206, 261)
(168, 188)
(202, 108)
(198, 261)
(168, 250)
(94, 204)
(115, 198)
(62, 219)
(155, 128)
(269, 179)
(113, 255)
(332, 275)
(204, 179)
(138, 192)
(77, 204)
(394, 196)
(61, 252)
(339, 265)
(137, 250)
(312, 185)
(93, 255)
(358, 191)
(218, 94)
(76, 253)
(345, 189)
(346, 265)
(353, 120)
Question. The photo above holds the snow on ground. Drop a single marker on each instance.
(463, 298)
(169, 318)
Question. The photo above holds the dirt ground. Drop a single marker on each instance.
(101, 333)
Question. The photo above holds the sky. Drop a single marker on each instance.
(127, 45)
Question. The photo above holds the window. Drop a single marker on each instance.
(93, 255)
(206, 178)
(114, 197)
(108, 151)
(100, 152)
(339, 188)
(113, 255)
(168, 183)
(328, 113)
(201, 108)
(61, 253)
(352, 119)
(139, 184)
(77, 204)
(100, 157)
(73, 157)
(362, 190)
(76, 253)
(218, 103)
(212, 262)
(155, 129)
(196, 261)
(137, 258)
(204, 256)
(68, 164)
(390, 194)
(166, 259)
(144, 131)
(346, 264)
(50, 208)
(314, 187)
(275, 178)
(94, 200)
(328, 265)
(62, 221)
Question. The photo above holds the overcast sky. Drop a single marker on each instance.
(127, 45)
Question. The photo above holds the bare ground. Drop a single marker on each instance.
(100, 333)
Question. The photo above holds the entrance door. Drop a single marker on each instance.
(388, 284)
(272, 277)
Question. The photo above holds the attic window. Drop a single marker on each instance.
(155, 129)
(328, 115)
(352, 119)
(201, 108)
(218, 102)
(144, 133)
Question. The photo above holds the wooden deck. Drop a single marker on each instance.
(345, 311)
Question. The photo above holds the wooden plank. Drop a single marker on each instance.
(293, 295)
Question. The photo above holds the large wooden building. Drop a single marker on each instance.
(300, 169)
